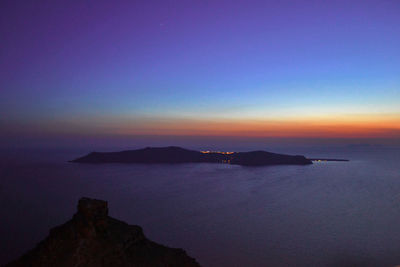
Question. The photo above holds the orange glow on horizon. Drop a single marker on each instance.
(360, 126)
(318, 126)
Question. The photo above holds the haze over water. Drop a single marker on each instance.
(325, 214)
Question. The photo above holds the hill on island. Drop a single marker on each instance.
(175, 154)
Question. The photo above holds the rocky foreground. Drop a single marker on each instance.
(92, 238)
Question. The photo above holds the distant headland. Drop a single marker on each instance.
(173, 154)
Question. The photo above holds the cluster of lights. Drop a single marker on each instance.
(219, 152)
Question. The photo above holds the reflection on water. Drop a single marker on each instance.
(326, 214)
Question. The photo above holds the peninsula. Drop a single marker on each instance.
(175, 154)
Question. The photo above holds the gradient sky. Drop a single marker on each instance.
(298, 69)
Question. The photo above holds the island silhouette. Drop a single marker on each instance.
(174, 154)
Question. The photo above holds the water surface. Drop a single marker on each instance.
(325, 214)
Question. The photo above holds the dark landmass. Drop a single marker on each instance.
(92, 238)
(320, 159)
(180, 155)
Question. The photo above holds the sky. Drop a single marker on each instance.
(235, 69)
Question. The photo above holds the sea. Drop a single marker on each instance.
(324, 214)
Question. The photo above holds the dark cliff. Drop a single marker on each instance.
(92, 238)
(181, 155)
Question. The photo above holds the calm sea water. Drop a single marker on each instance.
(325, 214)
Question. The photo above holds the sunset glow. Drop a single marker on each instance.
(347, 126)
(272, 69)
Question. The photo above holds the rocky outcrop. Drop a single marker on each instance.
(92, 238)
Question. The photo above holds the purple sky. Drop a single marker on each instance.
(127, 68)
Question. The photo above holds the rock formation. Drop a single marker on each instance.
(92, 238)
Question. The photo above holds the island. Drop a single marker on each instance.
(173, 155)
(93, 239)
